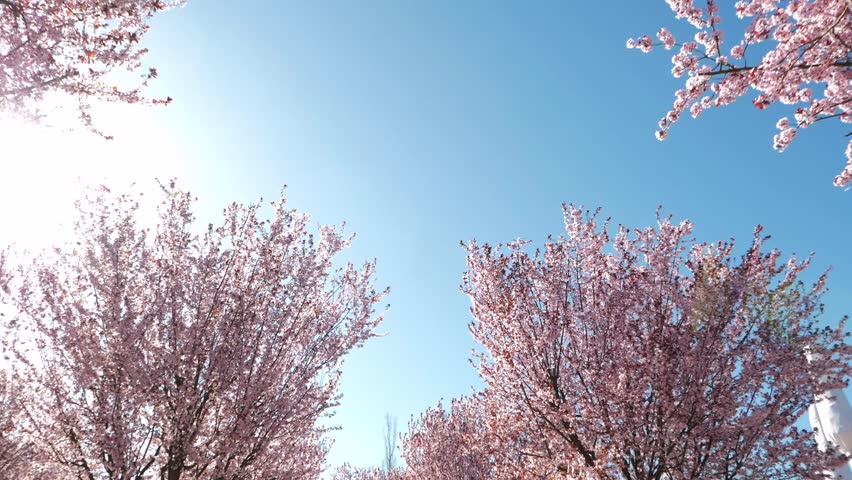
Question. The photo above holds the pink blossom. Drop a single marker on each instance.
(603, 353)
(450, 444)
(845, 177)
(348, 472)
(783, 138)
(18, 457)
(666, 38)
(695, 109)
(42, 50)
(737, 51)
(809, 44)
(183, 352)
(645, 43)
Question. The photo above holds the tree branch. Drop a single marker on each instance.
(728, 71)
(16, 91)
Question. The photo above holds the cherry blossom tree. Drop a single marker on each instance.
(449, 445)
(75, 48)
(16, 452)
(18, 458)
(4, 272)
(348, 472)
(651, 356)
(171, 353)
(788, 50)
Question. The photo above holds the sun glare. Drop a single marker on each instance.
(45, 168)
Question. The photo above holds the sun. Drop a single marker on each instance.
(43, 169)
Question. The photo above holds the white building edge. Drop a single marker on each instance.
(831, 419)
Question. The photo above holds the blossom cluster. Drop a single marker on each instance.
(807, 43)
(643, 355)
(77, 48)
(208, 353)
(639, 355)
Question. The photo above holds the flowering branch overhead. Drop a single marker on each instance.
(809, 43)
(74, 48)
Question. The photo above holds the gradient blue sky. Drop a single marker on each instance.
(423, 124)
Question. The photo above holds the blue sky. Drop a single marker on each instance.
(423, 124)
